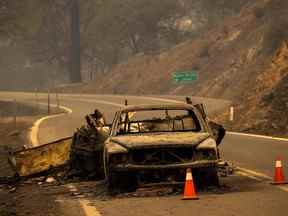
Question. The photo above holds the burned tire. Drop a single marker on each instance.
(85, 160)
(206, 177)
(121, 181)
(211, 175)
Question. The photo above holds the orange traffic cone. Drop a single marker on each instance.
(279, 174)
(189, 190)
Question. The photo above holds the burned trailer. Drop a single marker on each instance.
(157, 143)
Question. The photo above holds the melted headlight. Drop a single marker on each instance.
(206, 150)
(205, 154)
(118, 158)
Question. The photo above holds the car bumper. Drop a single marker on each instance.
(193, 164)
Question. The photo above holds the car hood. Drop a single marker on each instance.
(181, 139)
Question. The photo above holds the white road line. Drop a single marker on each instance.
(84, 203)
(98, 101)
(159, 99)
(257, 136)
(122, 105)
(254, 173)
(88, 209)
(258, 177)
(130, 96)
(33, 136)
(284, 188)
(248, 175)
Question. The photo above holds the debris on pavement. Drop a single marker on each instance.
(225, 168)
(50, 180)
(12, 189)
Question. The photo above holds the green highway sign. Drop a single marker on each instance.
(185, 76)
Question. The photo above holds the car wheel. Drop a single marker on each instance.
(207, 177)
(121, 181)
(212, 177)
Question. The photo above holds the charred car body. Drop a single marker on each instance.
(144, 144)
(156, 143)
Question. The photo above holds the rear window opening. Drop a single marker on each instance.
(152, 121)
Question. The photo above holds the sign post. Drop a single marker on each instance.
(15, 114)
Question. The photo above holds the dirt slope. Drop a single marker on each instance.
(267, 103)
(243, 59)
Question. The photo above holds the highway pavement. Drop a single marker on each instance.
(246, 193)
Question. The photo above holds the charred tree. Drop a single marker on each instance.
(75, 53)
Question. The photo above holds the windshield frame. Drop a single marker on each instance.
(195, 115)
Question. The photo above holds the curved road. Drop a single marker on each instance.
(255, 155)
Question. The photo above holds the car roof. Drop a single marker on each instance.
(147, 107)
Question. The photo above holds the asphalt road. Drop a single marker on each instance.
(247, 194)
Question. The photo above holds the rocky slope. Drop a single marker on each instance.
(243, 59)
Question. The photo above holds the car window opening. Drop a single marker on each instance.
(162, 121)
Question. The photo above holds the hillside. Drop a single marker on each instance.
(243, 59)
(36, 36)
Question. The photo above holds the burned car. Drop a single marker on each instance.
(157, 143)
(144, 144)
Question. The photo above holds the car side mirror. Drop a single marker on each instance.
(201, 109)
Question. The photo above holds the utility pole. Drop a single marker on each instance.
(48, 103)
(15, 114)
(75, 52)
(37, 101)
(57, 100)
